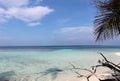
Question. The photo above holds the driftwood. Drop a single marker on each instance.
(115, 68)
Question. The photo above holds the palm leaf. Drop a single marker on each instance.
(107, 24)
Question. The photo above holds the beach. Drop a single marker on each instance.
(37, 64)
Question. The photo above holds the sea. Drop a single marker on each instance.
(51, 63)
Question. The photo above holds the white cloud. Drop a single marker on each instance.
(34, 24)
(25, 14)
(21, 10)
(75, 29)
(29, 14)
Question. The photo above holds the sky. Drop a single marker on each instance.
(48, 22)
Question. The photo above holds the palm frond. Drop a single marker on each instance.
(107, 24)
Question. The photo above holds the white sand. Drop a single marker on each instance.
(117, 53)
(65, 78)
(73, 78)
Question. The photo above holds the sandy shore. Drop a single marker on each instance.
(13, 78)
(117, 53)
(35, 77)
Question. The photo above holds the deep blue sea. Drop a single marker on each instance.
(32, 62)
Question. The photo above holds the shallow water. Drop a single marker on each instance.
(35, 62)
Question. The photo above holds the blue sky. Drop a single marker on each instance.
(48, 22)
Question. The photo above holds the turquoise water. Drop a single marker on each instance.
(31, 62)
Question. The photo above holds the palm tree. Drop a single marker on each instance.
(107, 23)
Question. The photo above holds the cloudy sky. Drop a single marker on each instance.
(48, 22)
